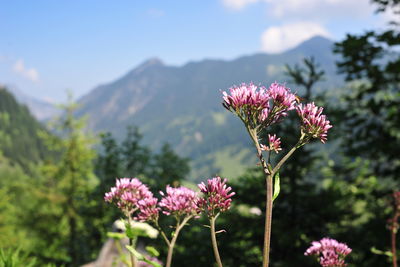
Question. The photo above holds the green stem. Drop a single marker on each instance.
(268, 220)
(132, 244)
(162, 234)
(269, 174)
(171, 245)
(268, 199)
(214, 241)
(285, 158)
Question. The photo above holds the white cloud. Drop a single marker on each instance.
(280, 38)
(238, 4)
(31, 73)
(308, 9)
(319, 9)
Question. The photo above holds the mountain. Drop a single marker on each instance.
(181, 105)
(19, 138)
(41, 110)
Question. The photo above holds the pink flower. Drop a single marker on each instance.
(148, 210)
(274, 144)
(258, 106)
(331, 252)
(245, 95)
(179, 201)
(314, 124)
(217, 196)
(127, 193)
(282, 96)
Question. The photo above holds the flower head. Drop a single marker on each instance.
(314, 124)
(217, 196)
(127, 194)
(331, 253)
(148, 210)
(282, 96)
(258, 106)
(245, 95)
(180, 201)
(131, 195)
(274, 144)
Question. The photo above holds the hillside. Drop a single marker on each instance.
(182, 105)
(19, 140)
(40, 109)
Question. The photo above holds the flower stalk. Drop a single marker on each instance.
(216, 199)
(214, 241)
(132, 243)
(171, 244)
(259, 108)
(393, 224)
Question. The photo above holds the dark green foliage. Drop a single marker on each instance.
(19, 133)
(136, 156)
(370, 114)
(168, 168)
(305, 77)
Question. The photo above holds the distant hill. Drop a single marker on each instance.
(19, 140)
(182, 105)
(41, 110)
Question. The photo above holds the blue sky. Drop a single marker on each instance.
(49, 46)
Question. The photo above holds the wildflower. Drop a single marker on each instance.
(127, 193)
(282, 96)
(274, 144)
(245, 95)
(258, 106)
(331, 253)
(217, 196)
(148, 210)
(314, 124)
(180, 201)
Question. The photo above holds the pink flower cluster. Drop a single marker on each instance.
(265, 106)
(314, 124)
(180, 201)
(282, 96)
(217, 196)
(274, 144)
(331, 253)
(246, 95)
(132, 195)
(134, 198)
(148, 210)
(258, 106)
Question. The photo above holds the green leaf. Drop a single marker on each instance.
(129, 231)
(135, 253)
(140, 229)
(152, 251)
(380, 252)
(141, 257)
(277, 186)
(117, 236)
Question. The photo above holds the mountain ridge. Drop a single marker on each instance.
(181, 105)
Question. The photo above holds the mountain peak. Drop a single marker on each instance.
(152, 62)
(155, 61)
(315, 41)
